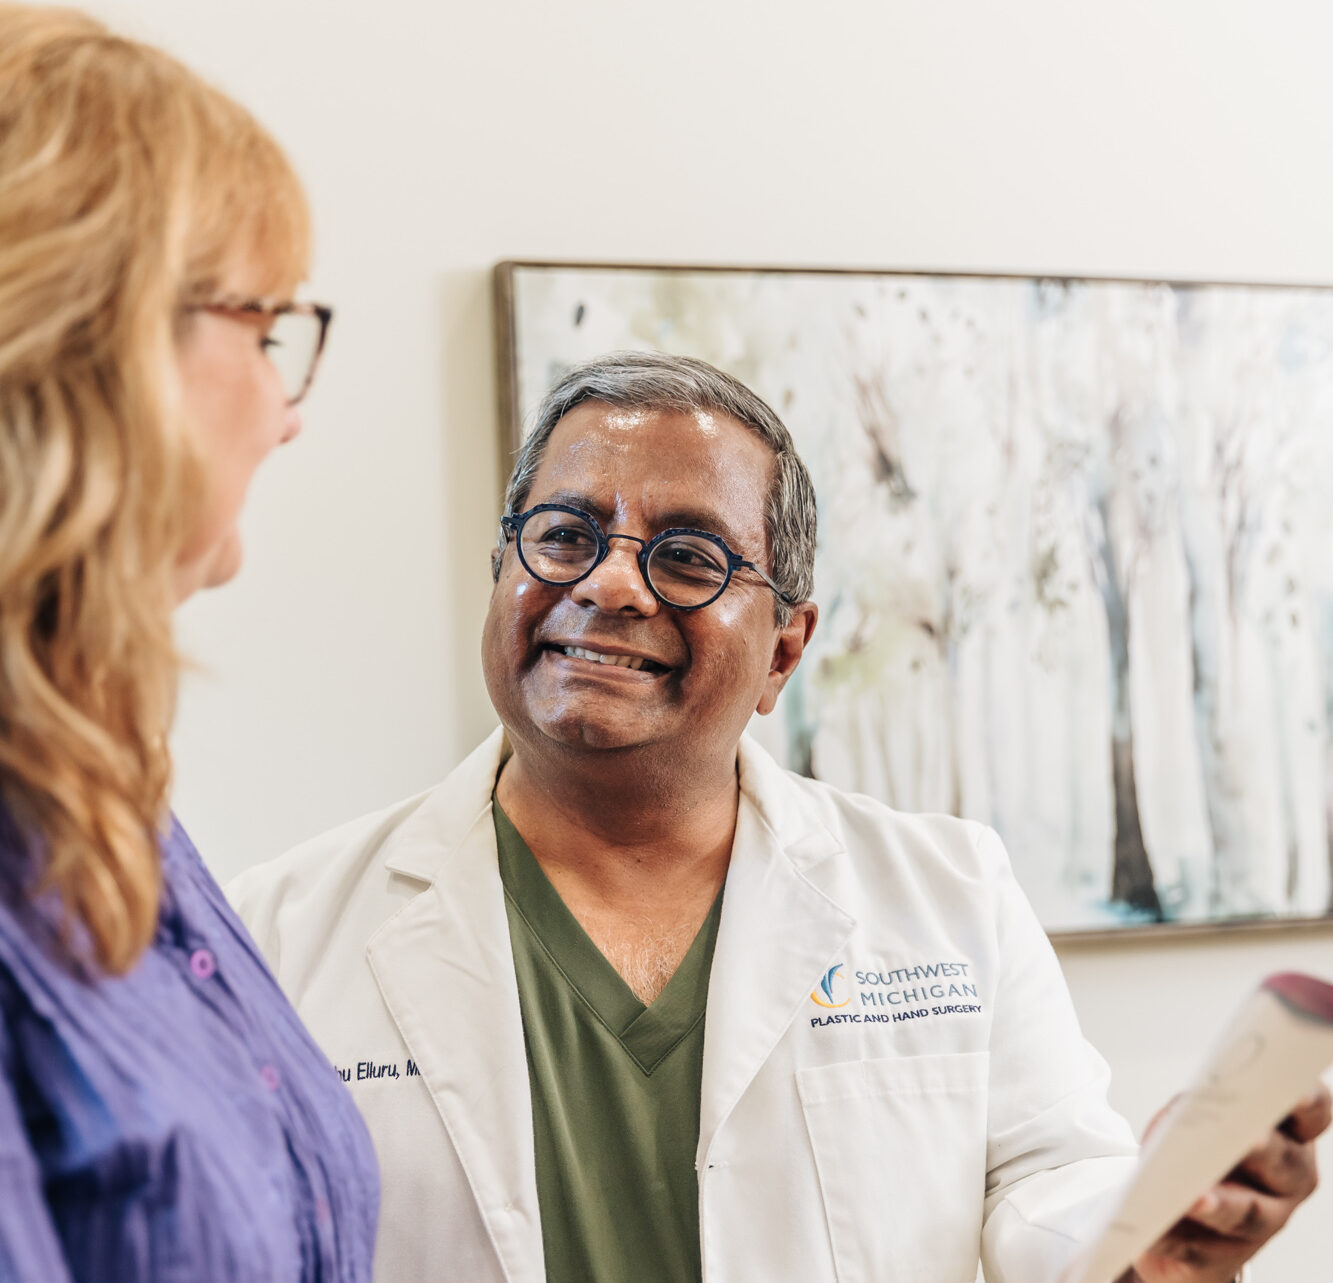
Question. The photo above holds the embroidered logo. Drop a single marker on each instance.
(894, 995)
(826, 987)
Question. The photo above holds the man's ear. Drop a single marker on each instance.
(791, 642)
(498, 554)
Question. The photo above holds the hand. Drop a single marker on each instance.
(1234, 1219)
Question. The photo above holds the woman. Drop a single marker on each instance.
(163, 1114)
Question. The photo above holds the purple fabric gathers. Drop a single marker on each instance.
(174, 1125)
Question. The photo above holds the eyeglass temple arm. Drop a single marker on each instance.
(782, 596)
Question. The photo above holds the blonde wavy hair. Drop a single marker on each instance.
(127, 187)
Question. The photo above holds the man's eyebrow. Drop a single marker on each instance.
(576, 499)
(699, 519)
(690, 518)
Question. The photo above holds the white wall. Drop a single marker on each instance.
(1191, 138)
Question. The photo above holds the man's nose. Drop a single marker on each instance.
(616, 583)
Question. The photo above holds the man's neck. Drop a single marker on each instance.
(635, 856)
(623, 820)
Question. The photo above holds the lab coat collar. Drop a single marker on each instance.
(424, 844)
(445, 969)
(777, 924)
(436, 831)
(783, 810)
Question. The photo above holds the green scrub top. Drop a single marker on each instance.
(615, 1089)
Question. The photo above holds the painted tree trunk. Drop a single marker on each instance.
(1132, 881)
(1132, 876)
(1212, 650)
(1289, 810)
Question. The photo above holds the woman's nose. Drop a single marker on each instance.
(291, 424)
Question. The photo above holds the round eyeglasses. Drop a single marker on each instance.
(684, 569)
(294, 340)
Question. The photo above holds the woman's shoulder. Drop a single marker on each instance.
(193, 1056)
(39, 945)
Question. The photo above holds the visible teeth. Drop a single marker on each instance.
(620, 661)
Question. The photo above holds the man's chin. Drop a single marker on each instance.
(595, 735)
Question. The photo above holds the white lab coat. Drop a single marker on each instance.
(863, 1151)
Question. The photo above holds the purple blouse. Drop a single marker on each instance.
(175, 1124)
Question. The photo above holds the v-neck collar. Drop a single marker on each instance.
(647, 1033)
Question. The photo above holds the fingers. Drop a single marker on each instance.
(1279, 1166)
(1226, 1227)
(1311, 1117)
(1238, 1216)
(1191, 1253)
(1239, 1212)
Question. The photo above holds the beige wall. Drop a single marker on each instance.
(1146, 137)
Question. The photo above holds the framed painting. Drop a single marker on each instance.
(1075, 563)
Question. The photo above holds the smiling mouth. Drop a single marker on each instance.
(636, 663)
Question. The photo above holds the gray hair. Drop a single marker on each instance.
(658, 381)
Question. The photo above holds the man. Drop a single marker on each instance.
(622, 1000)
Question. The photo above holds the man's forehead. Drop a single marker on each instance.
(690, 468)
(661, 510)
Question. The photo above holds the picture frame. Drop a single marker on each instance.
(1095, 609)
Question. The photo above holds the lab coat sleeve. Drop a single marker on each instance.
(1056, 1150)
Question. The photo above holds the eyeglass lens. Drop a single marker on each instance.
(292, 345)
(684, 570)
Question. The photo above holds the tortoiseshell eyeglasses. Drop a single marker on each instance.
(294, 340)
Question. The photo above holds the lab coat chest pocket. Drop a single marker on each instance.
(900, 1149)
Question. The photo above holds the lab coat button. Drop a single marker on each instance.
(270, 1077)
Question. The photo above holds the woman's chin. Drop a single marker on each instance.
(220, 564)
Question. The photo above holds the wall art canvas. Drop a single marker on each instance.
(1075, 562)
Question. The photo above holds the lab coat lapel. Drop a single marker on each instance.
(779, 934)
(444, 966)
